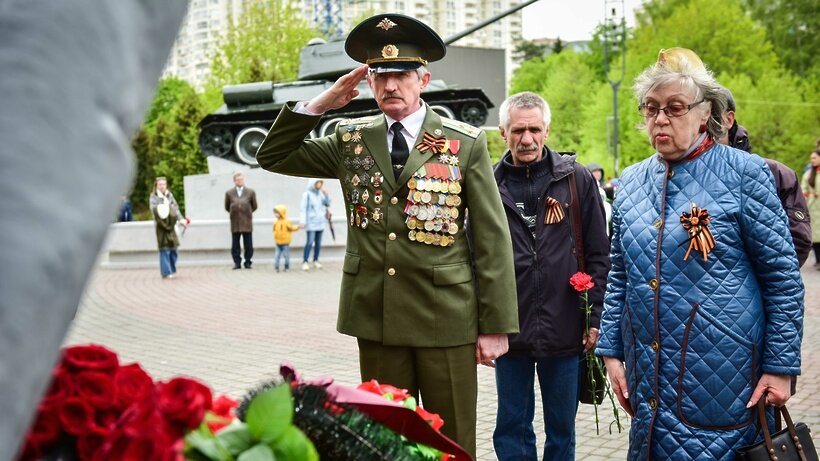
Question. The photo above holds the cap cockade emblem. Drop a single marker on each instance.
(390, 51)
(386, 24)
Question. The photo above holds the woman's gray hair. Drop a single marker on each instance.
(687, 70)
(523, 100)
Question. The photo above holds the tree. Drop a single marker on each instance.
(558, 46)
(143, 182)
(526, 50)
(175, 149)
(169, 92)
(262, 44)
(791, 26)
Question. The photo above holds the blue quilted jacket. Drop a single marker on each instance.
(696, 335)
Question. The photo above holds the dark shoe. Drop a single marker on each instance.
(237, 267)
(248, 265)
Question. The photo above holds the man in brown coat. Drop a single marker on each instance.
(240, 202)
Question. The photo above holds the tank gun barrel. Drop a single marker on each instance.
(486, 22)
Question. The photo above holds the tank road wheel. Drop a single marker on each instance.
(474, 113)
(248, 142)
(216, 141)
(444, 111)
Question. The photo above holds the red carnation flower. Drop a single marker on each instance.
(581, 282)
(222, 413)
(432, 418)
(90, 357)
(184, 401)
(133, 384)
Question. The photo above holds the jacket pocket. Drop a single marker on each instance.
(351, 264)
(717, 374)
(452, 274)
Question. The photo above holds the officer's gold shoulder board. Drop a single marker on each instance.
(461, 127)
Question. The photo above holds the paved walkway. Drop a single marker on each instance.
(231, 329)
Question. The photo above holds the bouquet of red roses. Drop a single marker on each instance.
(99, 410)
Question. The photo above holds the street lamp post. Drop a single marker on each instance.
(614, 43)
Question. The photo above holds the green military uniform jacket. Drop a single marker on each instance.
(398, 289)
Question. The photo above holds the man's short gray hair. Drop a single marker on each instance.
(523, 100)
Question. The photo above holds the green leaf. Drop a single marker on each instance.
(259, 452)
(236, 438)
(202, 442)
(295, 445)
(270, 413)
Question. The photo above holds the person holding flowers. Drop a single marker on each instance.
(703, 312)
(556, 219)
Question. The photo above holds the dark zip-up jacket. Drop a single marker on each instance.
(550, 311)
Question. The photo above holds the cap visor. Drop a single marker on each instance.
(384, 67)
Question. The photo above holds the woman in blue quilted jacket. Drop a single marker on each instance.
(703, 313)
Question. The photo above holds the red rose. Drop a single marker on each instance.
(88, 445)
(432, 418)
(133, 384)
(393, 393)
(581, 282)
(151, 445)
(371, 386)
(221, 413)
(59, 388)
(77, 416)
(184, 401)
(46, 428)
(96, 388)
(104, 422)
(90, 357)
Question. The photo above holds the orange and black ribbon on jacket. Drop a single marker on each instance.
(430, 142)
(696, 224)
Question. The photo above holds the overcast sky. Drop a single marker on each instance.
(570, 19)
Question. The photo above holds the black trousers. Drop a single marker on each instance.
(247, 242)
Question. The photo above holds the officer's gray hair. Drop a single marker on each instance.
(523, 100)
(692, 76)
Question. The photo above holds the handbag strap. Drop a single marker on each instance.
(767, 436)
(576, 223)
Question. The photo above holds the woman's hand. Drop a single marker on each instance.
(617, 378)
(776, 387)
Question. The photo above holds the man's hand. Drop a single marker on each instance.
(617, 378)
(776, 387)
(590, 340)
(489, 348)
(340, 94)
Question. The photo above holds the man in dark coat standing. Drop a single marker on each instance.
(555, 213)
(240, 202)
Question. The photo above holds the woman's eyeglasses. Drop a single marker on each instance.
(672, 110)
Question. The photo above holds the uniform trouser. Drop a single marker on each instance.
(445, 377)
(247, 242)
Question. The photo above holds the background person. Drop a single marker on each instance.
(282, 236)
(811, 186)
(533, 180)
(315, 203)
(785, 182)
(165, 210)
(408, 290)
(704, 301)
(240, 203)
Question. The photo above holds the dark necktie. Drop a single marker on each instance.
(400, 152)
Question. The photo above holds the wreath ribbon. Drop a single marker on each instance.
(696, 224)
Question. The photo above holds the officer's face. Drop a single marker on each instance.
(525, 135)
(398, 94)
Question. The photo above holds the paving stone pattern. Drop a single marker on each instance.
(232, 329)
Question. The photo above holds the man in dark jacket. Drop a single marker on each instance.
(785, 181)
(240, 202)
(547, 196)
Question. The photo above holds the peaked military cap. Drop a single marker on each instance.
(394, 43)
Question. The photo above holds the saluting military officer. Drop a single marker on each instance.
(409, 176)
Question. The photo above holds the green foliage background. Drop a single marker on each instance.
(763, 50)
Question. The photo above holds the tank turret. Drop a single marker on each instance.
(236, 130)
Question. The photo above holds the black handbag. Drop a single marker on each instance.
(793, 443)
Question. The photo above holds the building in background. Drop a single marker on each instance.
(207, 20)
